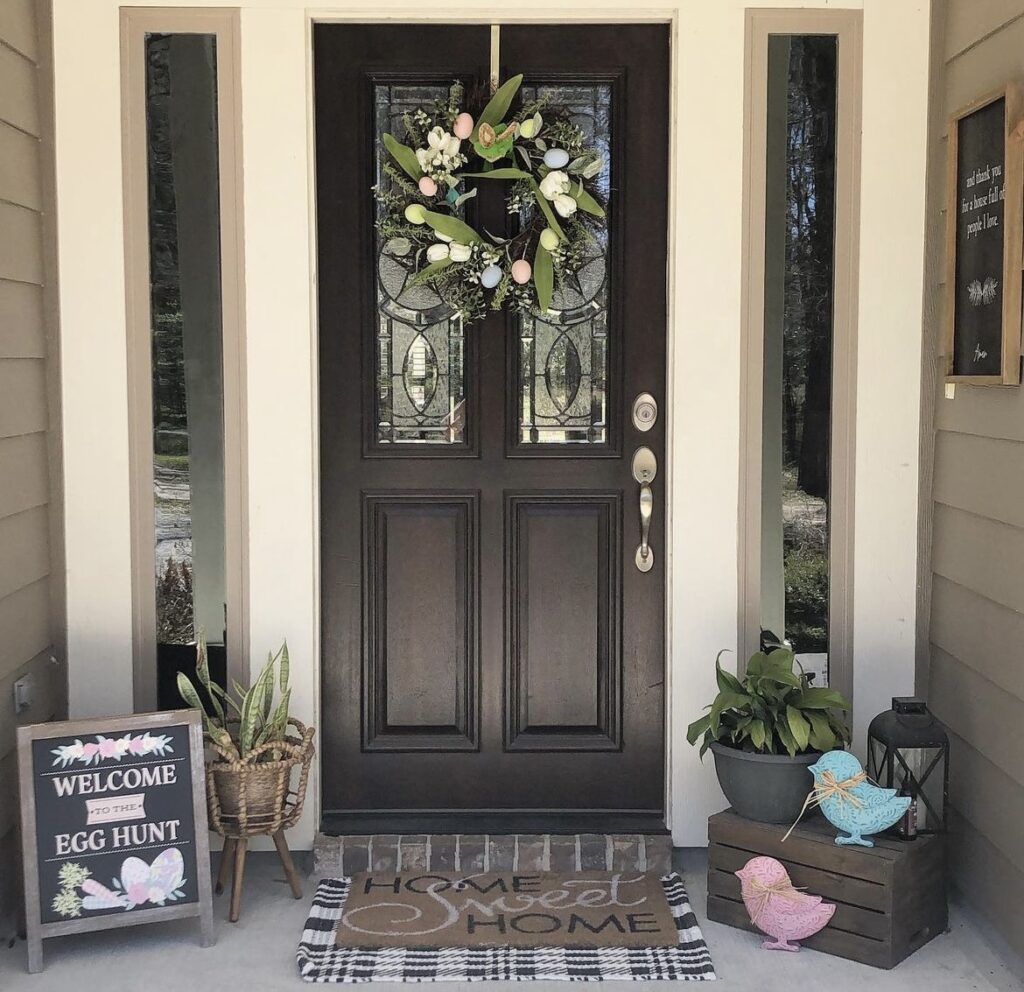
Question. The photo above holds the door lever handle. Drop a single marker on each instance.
(644, 555)
(645, 467)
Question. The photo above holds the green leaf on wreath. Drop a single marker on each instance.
(452, 227)
(587, 203)
(543, 277)
(545, 207)
(500, 102)
(404, 156)
(425, 275)
(504, 173)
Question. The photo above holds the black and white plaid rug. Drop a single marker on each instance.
(321, 960)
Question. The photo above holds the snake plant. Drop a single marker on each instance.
(774, 709)
(242, 722)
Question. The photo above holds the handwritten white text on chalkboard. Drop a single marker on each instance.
(986, 190)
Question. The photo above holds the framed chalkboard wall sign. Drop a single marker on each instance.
(113, 825)
(984, 228)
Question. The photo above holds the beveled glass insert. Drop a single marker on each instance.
(563, 356)
(420, 354)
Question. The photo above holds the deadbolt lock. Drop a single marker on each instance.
(645, 412)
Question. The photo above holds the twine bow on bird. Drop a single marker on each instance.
(827, 788)
(763, 893)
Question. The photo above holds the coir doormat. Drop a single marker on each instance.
(600, 956)
(494, 909)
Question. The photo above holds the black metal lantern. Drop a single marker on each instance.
(908, 750)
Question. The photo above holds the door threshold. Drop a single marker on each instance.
(472, 851)
(339, 823)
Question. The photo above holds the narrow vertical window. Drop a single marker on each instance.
(187, 363)
(797, 368)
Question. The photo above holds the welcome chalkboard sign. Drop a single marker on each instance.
(113, 817)
(984, 227)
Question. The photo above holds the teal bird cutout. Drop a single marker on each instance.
(850, 801)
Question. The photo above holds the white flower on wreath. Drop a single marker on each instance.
(442, 153)
(555, 187)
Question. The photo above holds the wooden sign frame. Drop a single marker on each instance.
(1013, 233)
(36, 930)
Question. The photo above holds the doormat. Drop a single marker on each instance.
(322, 959)
(495, 909)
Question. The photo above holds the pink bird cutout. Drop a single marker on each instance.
(777, 908)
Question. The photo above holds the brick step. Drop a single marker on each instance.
(346, 855)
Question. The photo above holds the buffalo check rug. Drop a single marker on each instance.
(322, 958)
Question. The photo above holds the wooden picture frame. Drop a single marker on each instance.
(186, 726)
(971, 185)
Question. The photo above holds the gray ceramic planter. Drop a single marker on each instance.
(770, 788)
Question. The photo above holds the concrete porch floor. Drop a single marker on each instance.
(258, 953)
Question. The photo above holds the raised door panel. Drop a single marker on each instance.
(420, 622)
(564, 658)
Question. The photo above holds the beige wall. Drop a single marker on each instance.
(29, 517)
(972, 659)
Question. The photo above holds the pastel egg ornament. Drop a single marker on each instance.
(463, 126)
(490, 277)
(549, 238)
(416, 213)
(556, 158)
(521, 271)
(427, 186)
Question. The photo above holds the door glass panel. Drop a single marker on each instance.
(563, 356)
(187, 351)
(421, 350)
(797, 375)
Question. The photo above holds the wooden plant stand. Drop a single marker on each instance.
(233, 857)
(253, 798)
(890, 899)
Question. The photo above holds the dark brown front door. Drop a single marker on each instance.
(489, 644)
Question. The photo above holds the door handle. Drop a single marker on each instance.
(645, 468)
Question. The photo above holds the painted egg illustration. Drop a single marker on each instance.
(490, 277)
(463, 126)
(415, 213)
(427, 186)
(549, 239)
(556, 158)
(521, 271)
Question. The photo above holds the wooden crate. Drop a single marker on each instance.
(890, 899)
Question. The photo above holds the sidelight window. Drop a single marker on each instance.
(184, 346)
(799, 370)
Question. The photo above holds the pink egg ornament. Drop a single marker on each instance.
(463, 126)
(427, 186)
(521, 271)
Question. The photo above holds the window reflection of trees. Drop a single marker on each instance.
(807, 337)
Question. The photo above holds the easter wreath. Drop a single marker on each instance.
(554, 192)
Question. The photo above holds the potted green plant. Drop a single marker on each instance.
(255, 745)
(765, 731)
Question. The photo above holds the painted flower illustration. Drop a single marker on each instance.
(111, 748)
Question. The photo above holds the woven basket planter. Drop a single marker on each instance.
(260, 797)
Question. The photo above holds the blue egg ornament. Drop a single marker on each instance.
(490, 277)
(556, 158)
